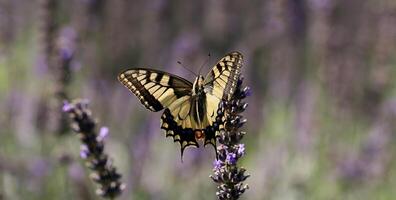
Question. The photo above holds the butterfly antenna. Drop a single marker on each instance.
(178, 62)
(203, 64)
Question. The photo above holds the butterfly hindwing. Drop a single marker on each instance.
(184, 135)
(155, 89)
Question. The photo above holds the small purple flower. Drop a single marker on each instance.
(84, 152)
(241, 150)
(66, 54)
(231, 158)
(103, 133)
(247, 91)
(67, 106)
(217, 164)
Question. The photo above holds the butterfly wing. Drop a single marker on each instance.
(155, 89)
(220, 85)
(159, 90)
(221, 80)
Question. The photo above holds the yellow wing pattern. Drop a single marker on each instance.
(155, 89)
(221, 81)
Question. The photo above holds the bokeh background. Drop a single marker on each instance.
(321, 119)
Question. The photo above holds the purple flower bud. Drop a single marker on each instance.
(240, 80)
(66, 54)
(217, 164)
(231, 158)
(247, 91)
(103, 132)
(67, 107)
(84, 153)
(241, 150)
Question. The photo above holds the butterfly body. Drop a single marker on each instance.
(198, 102)
(190, 109)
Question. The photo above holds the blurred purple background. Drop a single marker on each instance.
(321, 118)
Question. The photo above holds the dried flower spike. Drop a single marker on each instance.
(227, 174)
(92, 149)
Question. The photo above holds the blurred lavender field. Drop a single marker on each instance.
(321, 117)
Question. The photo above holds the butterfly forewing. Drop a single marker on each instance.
(155, 89)
(221, 80)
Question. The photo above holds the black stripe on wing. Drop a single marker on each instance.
(185, 136)
(221, 80)
(155, 89)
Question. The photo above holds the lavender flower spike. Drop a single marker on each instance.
(92, 149)
(227, 174)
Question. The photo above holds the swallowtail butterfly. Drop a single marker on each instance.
(190, 109)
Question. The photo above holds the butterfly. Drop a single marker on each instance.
(190, 109)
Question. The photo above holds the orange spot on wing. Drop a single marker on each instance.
(199, 134)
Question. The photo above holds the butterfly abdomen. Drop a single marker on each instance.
(198, 109)
(198, 103)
